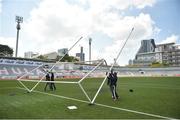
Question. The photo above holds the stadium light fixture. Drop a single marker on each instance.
(19, 20)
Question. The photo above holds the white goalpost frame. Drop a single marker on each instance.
(47, 81)
(30, 90)
(69, 82)
(79, 82)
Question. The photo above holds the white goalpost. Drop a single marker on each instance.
(21, 79)
(100, 62)
(65, 82)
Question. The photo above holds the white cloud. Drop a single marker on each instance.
(170, 39)
(58, 24)
(143, 3)
(102, 5)
(118, 30)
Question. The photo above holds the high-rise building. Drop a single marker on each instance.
(147, 46)
(145, 54)
(168, 53)
(62, 52)
(30, 54)
(81, 55)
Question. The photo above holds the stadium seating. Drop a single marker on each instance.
(12, 69)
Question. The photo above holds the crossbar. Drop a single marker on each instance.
(90, 71)
(43, 81)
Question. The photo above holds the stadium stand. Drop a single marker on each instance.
(14, 68)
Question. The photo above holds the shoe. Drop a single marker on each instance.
(113, 97)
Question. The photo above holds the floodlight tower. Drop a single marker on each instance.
(90, 40)
(18, 20)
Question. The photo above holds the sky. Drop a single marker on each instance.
(49, 25)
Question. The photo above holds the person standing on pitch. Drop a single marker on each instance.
(115, 84)
(47, 79)
(53, 87)
(112, 82)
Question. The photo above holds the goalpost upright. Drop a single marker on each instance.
(112, 66)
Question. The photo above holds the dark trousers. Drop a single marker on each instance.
(47, 84)
(113, 91)
(53, 87)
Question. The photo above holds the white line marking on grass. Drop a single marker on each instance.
(158, 87)
(59, 96)
(149, 84)
(102, 105)
(133, 111)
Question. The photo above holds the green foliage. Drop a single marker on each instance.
(5, 50)
(42, 57)
(67, 58)
(165, 64)
(158, 64)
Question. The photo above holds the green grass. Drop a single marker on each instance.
(154, 95)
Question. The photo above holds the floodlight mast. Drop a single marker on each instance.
(18, 20)
(90, 41)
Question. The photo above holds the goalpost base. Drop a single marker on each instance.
(28, 92)
(91, 104)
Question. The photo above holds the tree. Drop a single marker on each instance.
(165, 63)
(158, 64)
(6, 50)
(42, 57)
(67, 58)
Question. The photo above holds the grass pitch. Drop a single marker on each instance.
(152, 98)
